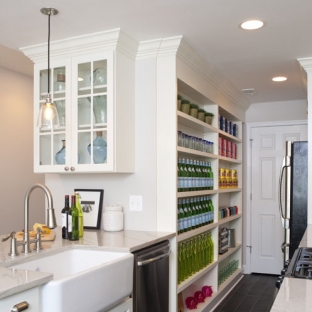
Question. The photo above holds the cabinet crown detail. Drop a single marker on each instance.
(110, 40)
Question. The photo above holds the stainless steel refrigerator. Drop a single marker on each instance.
(293, 195)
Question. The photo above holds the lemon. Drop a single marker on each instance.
(43, 227)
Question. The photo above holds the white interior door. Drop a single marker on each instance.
(267, 152)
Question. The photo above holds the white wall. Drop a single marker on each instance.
(118, 187)
(277, 111)
(16, 157)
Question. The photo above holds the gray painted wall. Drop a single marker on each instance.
(16, 156)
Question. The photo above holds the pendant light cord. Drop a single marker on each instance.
(49, 53)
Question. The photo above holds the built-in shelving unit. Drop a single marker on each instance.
(180, 70)
(209, 275)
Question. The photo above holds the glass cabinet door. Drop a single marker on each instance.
(82, 91)
(91, 124)
(51, 142)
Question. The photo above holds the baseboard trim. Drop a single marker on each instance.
(220, 296)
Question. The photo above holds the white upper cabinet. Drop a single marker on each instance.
(92, 86)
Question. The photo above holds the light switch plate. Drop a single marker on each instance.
(135, 203)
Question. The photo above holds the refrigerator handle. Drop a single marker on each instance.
(285, 165)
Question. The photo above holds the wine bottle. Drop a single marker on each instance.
(80, 212)
(73, 212)
(65, 218)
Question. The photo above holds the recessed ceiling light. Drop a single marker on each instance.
(252, 24)
(279, 78)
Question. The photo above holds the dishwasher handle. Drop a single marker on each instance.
(145, 262)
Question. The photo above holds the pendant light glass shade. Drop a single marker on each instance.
(48, 115)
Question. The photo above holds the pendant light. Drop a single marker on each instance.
(48, 115)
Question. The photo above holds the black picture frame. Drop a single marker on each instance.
(91, 203)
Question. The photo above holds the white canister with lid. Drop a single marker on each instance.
(113, 218)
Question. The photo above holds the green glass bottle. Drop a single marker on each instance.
(193, 212)
(201, 174)
(210, 209)
(189, 175)
(195, 256)
(180, 217)
(203, 237)
(80, 212)
(199, 258)
(185, 216)
(210, 176)
(184, 262)
(202, 244)
(193, 174)
(205, 175)
(74, 213)
(201, 211)
(188, 250)
(206, 210)
(208, 248)
(211, 247)
(193, 269)
(180, 264)
(189, 214)
(197, 211)
(184, 175)
(205, 168)
(180, 169)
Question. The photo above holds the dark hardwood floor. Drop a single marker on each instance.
(254, 293)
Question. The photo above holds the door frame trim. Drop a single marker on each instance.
(247, 172)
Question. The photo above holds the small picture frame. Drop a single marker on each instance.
(91, 204)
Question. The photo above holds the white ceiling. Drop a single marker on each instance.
(248, 59)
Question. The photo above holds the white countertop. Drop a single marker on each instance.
(295, 294)
(13, 281)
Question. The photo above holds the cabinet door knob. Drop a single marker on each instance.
(72, 168)
(22, 306)
(66, 168)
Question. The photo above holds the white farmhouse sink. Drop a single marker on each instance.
(83, 279)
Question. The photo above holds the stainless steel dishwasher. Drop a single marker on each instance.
(151, 278)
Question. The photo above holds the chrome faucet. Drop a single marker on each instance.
(51, 221)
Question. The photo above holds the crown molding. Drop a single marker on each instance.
(148, 49)
(208, 72)
(117, 40)
(306, 63)
(179, 47)
(82, 45)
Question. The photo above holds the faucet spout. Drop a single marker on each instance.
(51, 221)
